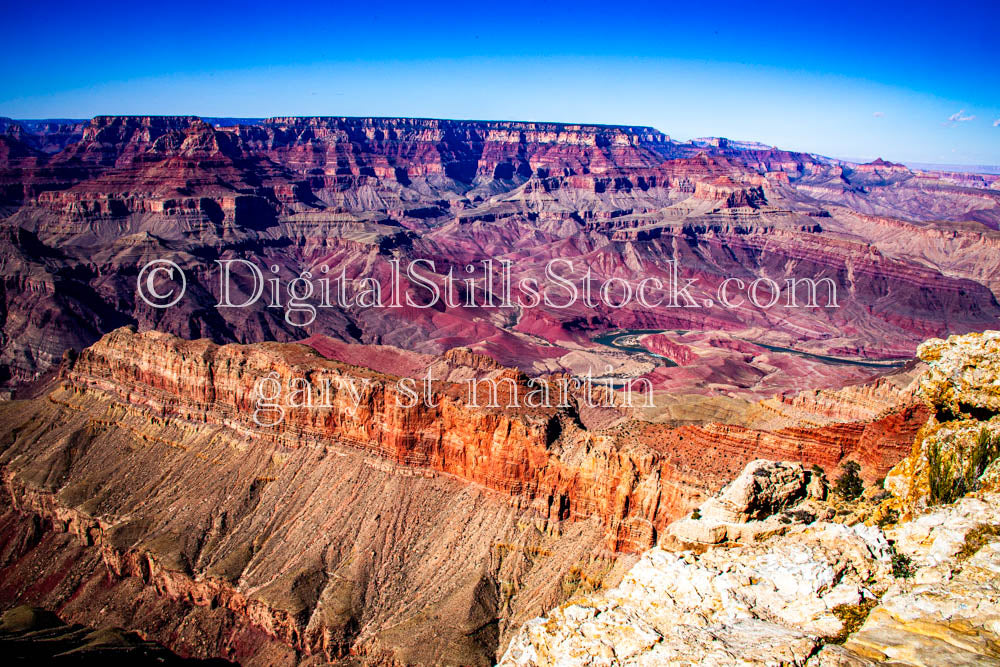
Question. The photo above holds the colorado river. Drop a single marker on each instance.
(626, 340)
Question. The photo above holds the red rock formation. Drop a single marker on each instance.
(513, 450)
(508, 450)
(680, 354)
(299, 193)
(713, 452)
(316, 533)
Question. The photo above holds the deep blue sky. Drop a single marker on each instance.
(844, 79)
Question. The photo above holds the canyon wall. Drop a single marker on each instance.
(142, 485)
(85, 207)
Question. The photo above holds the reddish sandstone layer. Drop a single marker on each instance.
(334, 532)
(715, 453)
(539, 454)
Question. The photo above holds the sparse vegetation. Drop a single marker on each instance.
(852, 617)
(976, 539)
(949, 478)
(695, 515)
(902, 565)
(889, 517)
(764, 536)
(798, 516)
(577, 580)
(507, 591)
(849, 485)
(529, 550)
(880, 496)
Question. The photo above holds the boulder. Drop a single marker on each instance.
(763, 488)
(747, 507)
(701, 531)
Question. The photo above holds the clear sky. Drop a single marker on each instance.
(907, 81)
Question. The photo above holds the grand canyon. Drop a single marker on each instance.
(142, 492)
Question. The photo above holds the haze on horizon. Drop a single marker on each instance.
(915, 82)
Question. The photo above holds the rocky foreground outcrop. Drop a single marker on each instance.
(833, 591)
(963, 388)
(768, 597)
(747, 505)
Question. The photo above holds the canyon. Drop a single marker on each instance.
(355, 527)
(910, 254)
(148, 488)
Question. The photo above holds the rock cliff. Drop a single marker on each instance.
(963, 391)
(538, 454)
(819, 587)
(85, 207)
(142, 491)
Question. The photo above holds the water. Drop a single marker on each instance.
(611, 340)
(831, 360)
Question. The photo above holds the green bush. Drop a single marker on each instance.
(902, 566)
(849, 485)
(949, 478)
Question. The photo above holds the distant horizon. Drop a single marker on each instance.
(914, 82)
(989, 169)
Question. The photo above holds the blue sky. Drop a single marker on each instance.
(905, 81)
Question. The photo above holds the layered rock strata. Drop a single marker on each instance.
(921, 592)
(84, 208)
(355, 528)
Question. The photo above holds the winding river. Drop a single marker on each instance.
(624, 339)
